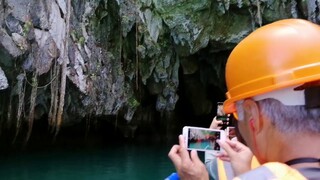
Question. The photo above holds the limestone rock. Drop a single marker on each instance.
(123, 55)
(3, 80)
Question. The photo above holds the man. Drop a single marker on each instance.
(273, 80)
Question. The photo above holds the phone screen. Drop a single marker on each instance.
(203, 139)
(231, 132)
(220, 113)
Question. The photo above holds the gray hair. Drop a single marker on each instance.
(287, 119)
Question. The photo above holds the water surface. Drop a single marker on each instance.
(114, 162)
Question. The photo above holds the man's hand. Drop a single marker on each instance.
(189, 167)
(239, 155)
(215, 123)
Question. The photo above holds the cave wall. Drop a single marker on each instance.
(65, 60)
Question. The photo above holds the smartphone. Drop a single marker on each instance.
(230, 132)
(203, 139)
(222, 116)
(220, 113)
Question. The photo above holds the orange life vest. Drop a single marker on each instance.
(273, 170)
(225, 171)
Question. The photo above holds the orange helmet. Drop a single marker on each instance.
(282, 54)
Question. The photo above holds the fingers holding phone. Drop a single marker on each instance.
(238, 154)
(222, 116)
(187, 165)
(215, 123)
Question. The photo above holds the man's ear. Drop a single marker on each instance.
(252, 114)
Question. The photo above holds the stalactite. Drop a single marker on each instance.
(312, 10)
(33, 98)
(21, 94)
(137, 55)
(318, 10)
(239, 3)
(54, 86)
(50, 113)
(259, 13)
(226, 4)
(294, 11)
(64, 69)
(256, 13)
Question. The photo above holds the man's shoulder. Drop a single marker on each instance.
(310, 173)
(272, 170)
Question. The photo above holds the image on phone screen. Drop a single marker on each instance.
(222, 116)
(231, 132)
(201, 139)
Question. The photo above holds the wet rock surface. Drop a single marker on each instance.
(123, 58)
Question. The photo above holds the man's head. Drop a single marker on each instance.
(269, 75)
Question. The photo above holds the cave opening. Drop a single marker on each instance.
(198, 93)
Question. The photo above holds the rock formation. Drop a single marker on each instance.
(69, 59)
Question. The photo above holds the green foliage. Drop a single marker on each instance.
(133, 103)
(27, 27)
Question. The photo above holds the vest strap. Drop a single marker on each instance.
(302, 160)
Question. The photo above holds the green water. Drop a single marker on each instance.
(114, 162)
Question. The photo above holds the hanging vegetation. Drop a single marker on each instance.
(67, 60)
